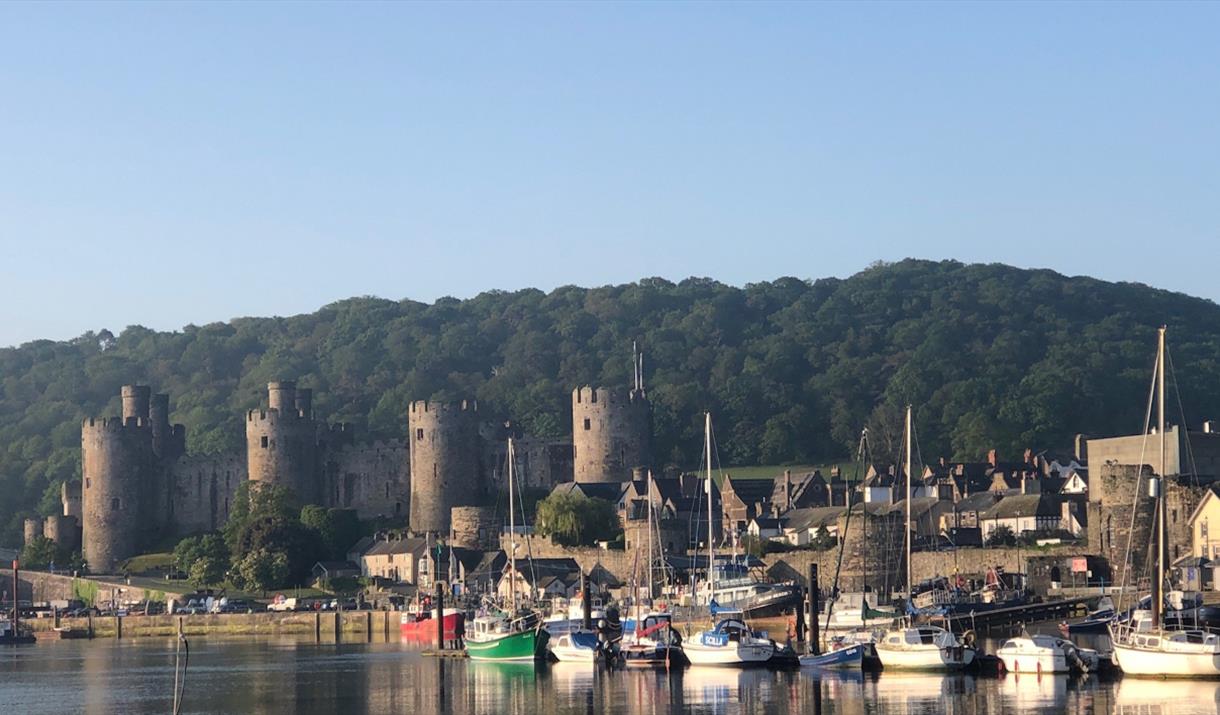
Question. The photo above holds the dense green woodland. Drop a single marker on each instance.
(991, 356)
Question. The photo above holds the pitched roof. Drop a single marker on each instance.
(360, 546)
(812, 517)
(750, 491)
(1023, 505)
(610, 491)
(979, 501)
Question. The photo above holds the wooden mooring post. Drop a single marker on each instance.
(815, 646)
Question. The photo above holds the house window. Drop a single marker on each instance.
(264, 441)
(115, 504)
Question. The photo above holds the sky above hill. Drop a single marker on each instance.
(171, 163)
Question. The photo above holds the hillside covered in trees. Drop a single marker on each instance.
(991, 357)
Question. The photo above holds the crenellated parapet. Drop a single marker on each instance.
(446, 469)
(611, 433)
(282, 443)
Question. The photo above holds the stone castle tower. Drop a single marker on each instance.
(282, 442)
(611, 433)
(446, 469)
(125, 494)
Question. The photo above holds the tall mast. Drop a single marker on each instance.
(650, 562)
(910, 583)
(711, 549)
(1158, 583)
(512, 531)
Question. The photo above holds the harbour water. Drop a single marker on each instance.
(281, 676)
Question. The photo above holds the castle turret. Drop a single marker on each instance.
(31, 529)
(611, 433)
(135, 401)
(69, 499)
(474, 527)
(445, 469)
(116, 456)
(63, 530)
(281, 444)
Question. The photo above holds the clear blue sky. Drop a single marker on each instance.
(167, 163)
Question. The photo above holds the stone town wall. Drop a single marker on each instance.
(374, 479)
(203, 491)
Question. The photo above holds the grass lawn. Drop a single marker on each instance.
(147, 563)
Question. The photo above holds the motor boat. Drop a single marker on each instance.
(576, 647)
(1046, 654)
(925, 648)
(731, 643)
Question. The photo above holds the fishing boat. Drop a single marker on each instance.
(1046, 654)
(1145, 647)
(840, 656)
(421, 625)
(923, 647)
(516, 634)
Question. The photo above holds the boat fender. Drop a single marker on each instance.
(968, 639)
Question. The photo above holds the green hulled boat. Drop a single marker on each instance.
(497, 638)
(512, 634)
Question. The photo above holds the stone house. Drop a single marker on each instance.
(1022, 513)
(1205, 527)
(965, 513)
(540, 578)
(395, 560)
(802, 526)
(744, 499)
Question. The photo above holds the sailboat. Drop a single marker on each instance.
(1144, 647)
(730, 642)
(653, 640)
(923, 647)
(515, 635)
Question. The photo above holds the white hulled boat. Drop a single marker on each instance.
(1046, 654)
(1144, 647)
(731, 642)
(924, 648)
(920, 647)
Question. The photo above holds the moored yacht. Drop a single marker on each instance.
(1145, 647)
(731, 642)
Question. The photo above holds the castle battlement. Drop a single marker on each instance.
(588, 396)
(274, 416)
(419, 407)
(112, 424)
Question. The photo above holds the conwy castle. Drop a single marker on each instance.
(139, 486)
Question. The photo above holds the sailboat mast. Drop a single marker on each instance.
(711, 549)
(910, 583)
(512, 531)
(650, 561)
(1158, 584)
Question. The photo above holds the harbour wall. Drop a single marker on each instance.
(351, 626)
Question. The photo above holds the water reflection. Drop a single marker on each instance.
(274, 677)
(1031, 691)
(1166, 697)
